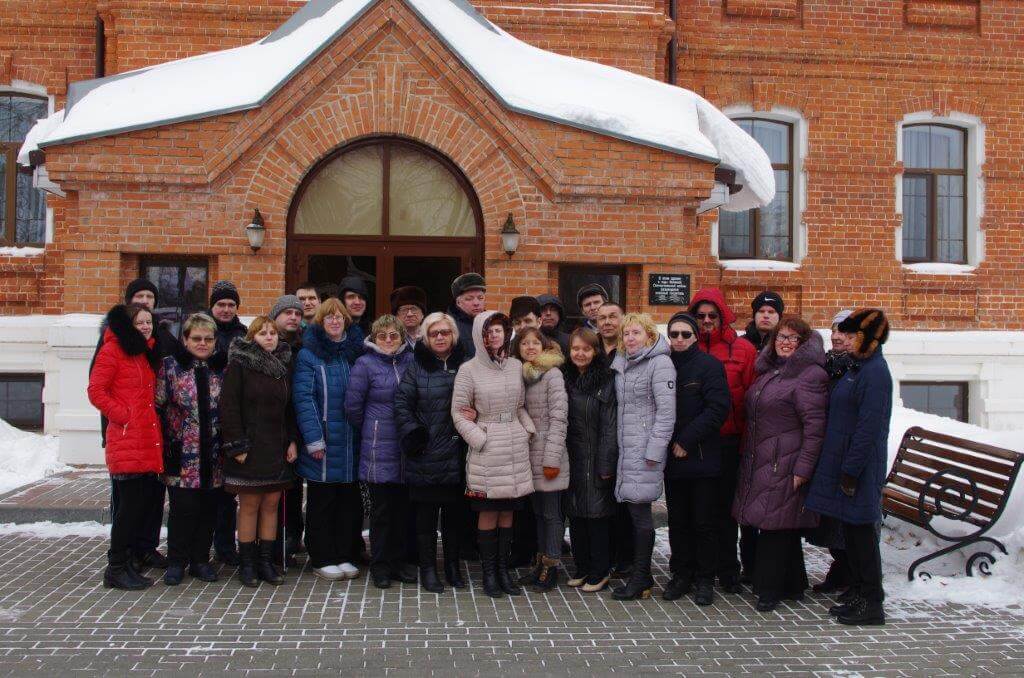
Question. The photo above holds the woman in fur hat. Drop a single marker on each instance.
(548, 406)
(121, 386)
(259, 443)
(847, 484)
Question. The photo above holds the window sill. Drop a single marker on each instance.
(758, 265)
(21, 251)
(932, 268)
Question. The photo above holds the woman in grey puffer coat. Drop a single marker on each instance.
(645, 389)
(489, 410)
(787, 407)
(548, 406)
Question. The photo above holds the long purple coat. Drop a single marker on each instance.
(370, 407)
(787, 406)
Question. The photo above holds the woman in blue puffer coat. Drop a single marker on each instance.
(370, 407)
(326, 456)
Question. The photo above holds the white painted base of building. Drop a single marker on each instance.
(61, 347)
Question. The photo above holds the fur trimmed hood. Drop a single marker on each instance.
(251, 355)
(217, 362)
(595, 378)
(533, 371)
(811, 352)
(426, 359)
(119, 328)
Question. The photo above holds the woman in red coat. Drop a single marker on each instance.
(122, 387)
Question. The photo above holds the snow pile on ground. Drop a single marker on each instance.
(526, 79)
(26, 457)
(51, 530)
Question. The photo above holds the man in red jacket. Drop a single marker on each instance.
(718, 338)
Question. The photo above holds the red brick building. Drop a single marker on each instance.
(894, 127)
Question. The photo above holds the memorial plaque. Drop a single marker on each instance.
(668, 289)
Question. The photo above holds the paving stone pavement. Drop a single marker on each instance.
(55, 619)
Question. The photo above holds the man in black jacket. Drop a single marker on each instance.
(694, 463)
(224, 304)
(469, 299)
(768, 308)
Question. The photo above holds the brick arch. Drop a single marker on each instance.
(941, 103)
(321, 130)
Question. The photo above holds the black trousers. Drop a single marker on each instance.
(426, 518)
(190, 524)
(292, 509)
(389, 510)
(224, 533)
(149, 497)
(692, 527)
(355, 529)
(329, 520)
(728, 567)
(864, 561)
(524, 535)
(129, 512)
(591, 546)
(622, 537)
(779, 571)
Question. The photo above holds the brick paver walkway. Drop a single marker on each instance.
(56, 619)
(78, 495)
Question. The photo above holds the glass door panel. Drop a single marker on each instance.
(433, 274)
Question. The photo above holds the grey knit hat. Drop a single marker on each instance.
(283, 303)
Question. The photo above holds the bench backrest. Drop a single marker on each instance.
(950, 477)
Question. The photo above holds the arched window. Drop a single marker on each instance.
(934, 194)
(22, 207)
(767, 232)
(386, 188)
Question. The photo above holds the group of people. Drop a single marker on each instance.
(501, 427)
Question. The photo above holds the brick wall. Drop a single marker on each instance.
(852, 70)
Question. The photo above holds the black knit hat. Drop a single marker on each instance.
(768, 298)
(466, 282)
(224, 289)
(353, 283)
(522, 306)
(685, 317)
(140, 285)
(589, 291)
(872, 330)
(408, 296)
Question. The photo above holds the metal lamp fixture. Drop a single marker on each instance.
(256, 231)
(509, 237)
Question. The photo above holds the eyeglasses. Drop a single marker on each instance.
(408, 310)
(202, 340)
(787, 338)
(439, 333)
(685, 334)
(708, 316)
(386, 336)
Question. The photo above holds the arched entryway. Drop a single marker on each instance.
(390, 210)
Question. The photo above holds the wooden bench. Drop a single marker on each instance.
(941, 476)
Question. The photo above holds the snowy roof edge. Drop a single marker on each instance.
(88, 85)
(79, 90)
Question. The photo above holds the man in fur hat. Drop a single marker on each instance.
(524, 312)
(409, 305)
(469, 299)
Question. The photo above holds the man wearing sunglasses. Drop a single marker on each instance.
(718, 338)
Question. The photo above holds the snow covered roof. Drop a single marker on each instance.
(528, 80)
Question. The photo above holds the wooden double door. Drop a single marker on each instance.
(385, 264)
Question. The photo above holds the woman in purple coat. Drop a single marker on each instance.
(370, 408)
(786, 411)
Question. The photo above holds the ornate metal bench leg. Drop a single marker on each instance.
(941, 552)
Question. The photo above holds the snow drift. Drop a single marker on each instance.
(524, 78)
(26, 457)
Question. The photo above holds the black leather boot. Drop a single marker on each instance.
(487, 540)
(638, 586)
(116, 576)
(863, 613)
(547, 577)
(265, 568)
(450, 545)
(705, 593)
(426, 546)
(136, 573)
(505, 580)
(247, 564)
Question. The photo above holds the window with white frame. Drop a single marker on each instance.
(22, 206)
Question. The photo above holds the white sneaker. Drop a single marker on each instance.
(329, 572)
(348, 570)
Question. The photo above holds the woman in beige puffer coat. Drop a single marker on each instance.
(548, 406)
(488, 408)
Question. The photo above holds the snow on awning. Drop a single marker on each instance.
(528, 80)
